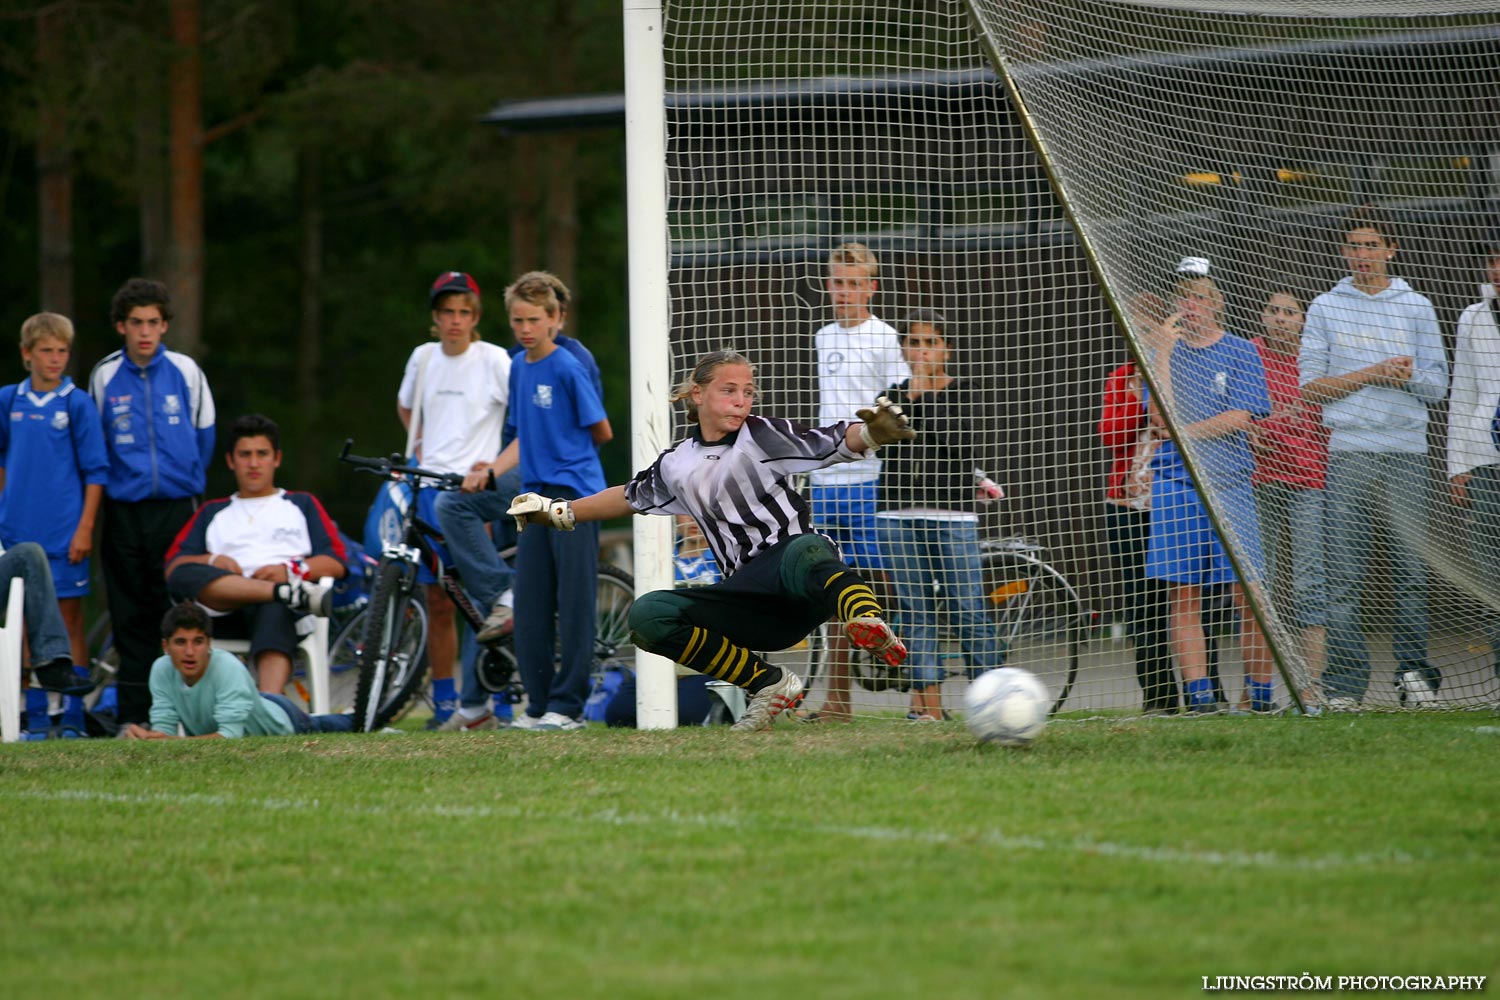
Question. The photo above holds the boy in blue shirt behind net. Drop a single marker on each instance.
(1216, 388)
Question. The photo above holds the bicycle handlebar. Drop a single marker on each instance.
(394, 467)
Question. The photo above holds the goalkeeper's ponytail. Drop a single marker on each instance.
(703, 374)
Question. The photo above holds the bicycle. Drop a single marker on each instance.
(387, 641)
(1039, 617)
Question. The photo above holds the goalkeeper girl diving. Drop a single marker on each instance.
(782, 579)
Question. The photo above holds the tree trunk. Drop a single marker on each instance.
(54, 163)
(309, 352)
(151, 148)
(525, 234)
(185, 163)
(562, 214)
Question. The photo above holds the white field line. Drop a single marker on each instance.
(612, 817)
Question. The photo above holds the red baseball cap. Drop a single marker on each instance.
(452, 281)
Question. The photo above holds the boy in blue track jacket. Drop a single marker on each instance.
(158, 416)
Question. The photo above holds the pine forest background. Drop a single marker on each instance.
(298, 172)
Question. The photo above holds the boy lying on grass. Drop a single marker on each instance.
(211, 694)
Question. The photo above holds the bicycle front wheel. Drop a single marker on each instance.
(343, 663)
(393, 649)
(1039, 617)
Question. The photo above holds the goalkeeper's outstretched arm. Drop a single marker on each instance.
(602, 506)
(533, 508)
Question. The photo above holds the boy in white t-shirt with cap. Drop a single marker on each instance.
(452, 401)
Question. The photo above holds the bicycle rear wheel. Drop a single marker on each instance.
(1039, 616)
(393, 649)
(614, 595)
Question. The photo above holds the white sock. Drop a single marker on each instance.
(506, 600)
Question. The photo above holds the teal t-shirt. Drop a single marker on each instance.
(224, 701)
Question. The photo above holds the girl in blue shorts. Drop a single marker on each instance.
(1215, 387)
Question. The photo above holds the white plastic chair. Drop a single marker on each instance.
(10, 663)
(314, 650)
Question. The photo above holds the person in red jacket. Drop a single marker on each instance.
(1132, 441)
(1291, 463)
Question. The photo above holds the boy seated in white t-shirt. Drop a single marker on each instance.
(259, 552)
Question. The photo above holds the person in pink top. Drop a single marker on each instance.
(1291, 463)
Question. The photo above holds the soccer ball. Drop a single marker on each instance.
(1007, 706)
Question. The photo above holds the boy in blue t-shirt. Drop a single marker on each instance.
(1216, 387)
(558, 422)
(52, 473)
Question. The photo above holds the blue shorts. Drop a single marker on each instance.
(69, 579)
(1184, 547)
(846, 514)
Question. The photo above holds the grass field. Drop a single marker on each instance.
(879, 860)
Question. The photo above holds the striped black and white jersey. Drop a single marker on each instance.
(736, 488)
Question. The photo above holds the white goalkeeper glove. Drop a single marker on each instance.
(533, 508)
(883, 424)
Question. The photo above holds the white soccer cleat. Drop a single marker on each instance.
(770, 701)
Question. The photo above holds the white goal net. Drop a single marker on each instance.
(1168, 275)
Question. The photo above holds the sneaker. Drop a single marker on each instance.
(1416, 690)
(458, 724)
(874, 635)
(559, 722)
(58, 675)
(775, 698)
(1343, 704)
(500, 623)
(531, 723)
(922, 717)
(1203, 708)
(306, 596)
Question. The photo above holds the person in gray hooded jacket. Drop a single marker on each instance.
(1372, 357)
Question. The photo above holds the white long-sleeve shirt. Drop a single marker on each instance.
(1476, 391)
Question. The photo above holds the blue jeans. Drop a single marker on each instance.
(462, 518)
(931, 561)
(1370, 494)
(556, 600)
(1300, 515)
(476, 554)
(45, 632)
(304, 723)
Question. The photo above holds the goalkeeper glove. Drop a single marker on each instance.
(883, 424)
(533, 508)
